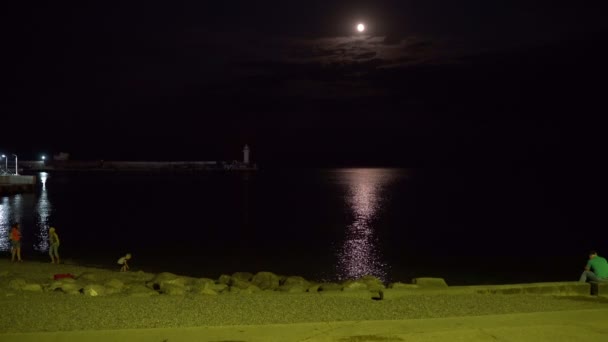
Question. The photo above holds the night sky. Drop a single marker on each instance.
(428, 83)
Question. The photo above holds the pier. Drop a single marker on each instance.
(62, 162)
(145, 166)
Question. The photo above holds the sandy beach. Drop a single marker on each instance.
(31, 308)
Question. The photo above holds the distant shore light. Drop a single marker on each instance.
(360, 27)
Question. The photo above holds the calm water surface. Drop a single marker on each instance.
(467, 226)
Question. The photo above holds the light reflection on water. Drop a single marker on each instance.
(4, 224)
(360, 253)
(43, 211)
(12, 209)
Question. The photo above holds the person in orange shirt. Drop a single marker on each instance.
(15, 243)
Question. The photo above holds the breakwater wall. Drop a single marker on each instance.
(101, 165)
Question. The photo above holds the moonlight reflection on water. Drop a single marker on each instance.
(360, 253)
(11, 210)
(43, 211)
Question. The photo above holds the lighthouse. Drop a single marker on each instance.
(246, 155)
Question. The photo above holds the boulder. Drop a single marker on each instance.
(402, 286)
(94, 290)
(202, 282)
(114, 284)
(330, 287)
(430, 282)
(196, 285)
(164, 276)
(165, 279)
(180, 281)
(242, 276)
(266, 280)
(219, 288)
(252, 289)
(173, 290)
(248, 290)
(373, 283)
(66, 285)
(68, 280)
(354, 285)
(295, 284)
(238, 283)
(224, 279)
(88, 276)
(71, 288)
(153, 286)
(32, 287)
(296, 280)
(140, 291)
(207, 291)
(314, 288)
(294, 288)
(17, 284)
(140, 276)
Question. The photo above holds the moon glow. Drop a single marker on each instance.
(360, 27)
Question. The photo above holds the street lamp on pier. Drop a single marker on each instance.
(5, 162)
(16, 169)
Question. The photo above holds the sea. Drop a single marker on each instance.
(482, 225)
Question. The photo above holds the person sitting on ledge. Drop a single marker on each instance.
(123, 261)
(599, 266)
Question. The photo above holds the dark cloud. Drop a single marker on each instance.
(350, 49)
(417, 45)
(366, 55)
(392, 39)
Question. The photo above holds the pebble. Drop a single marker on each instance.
(39, 311)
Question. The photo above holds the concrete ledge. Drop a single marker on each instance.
(572, 288)
(599, 288)
(602, 290)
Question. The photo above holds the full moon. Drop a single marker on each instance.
(360, 27)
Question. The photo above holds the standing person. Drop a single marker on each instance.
(123, 261)
(15, 243)
(54, 246)
(599, 266)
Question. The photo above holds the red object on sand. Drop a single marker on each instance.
(63, 275)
